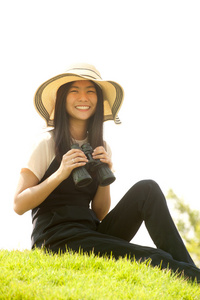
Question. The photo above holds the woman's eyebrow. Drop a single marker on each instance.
(74, 86)
(90, 86)
(87, 87)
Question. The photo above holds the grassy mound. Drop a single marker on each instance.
(36, 275)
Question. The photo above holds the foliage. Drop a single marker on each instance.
(36, 275)
(188, 224)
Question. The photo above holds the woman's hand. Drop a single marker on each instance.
(74, 158)
(100, 153)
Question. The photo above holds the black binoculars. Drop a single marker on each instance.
(82, 176)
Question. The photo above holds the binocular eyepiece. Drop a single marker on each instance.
(81, 175)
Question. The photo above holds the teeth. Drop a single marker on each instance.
(82, 107)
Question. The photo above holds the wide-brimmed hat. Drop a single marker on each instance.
(45, 96)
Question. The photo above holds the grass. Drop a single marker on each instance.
(36, 275)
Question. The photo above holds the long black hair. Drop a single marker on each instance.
(62, 136)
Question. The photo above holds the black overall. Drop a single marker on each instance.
(65, 221)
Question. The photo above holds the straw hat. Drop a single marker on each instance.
(45, 96)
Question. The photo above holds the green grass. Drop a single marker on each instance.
(36, 275)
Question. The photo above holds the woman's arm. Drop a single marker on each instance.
(30, 193)
(102, 201)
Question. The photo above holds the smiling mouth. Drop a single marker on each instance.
(83, 107)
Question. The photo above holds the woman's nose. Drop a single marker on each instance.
(83, 96)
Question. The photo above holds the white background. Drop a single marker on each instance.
(152, 48)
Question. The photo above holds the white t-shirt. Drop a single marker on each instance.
(43, 153)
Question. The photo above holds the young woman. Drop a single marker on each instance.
(68, 216)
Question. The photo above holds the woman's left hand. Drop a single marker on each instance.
(100, 153)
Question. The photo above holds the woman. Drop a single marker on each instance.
(66, 215)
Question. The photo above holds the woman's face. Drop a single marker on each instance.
(81, 100)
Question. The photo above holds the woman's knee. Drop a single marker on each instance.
(147, 185)
(148, 191)
(147, 182)
(144, 193)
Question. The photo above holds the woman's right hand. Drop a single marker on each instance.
(74, 158)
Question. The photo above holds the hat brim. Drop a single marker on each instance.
(45, 96)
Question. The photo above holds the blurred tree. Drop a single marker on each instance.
(188, 223)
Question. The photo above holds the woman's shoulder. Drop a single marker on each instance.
(41, 154)
(46, 135)
(44, 139)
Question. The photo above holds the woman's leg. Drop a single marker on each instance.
(146, 202)
(88, 241)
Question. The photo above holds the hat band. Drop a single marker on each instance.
(74, 70)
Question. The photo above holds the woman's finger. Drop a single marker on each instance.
(78, 159)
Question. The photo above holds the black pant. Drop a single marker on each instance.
(146, 202)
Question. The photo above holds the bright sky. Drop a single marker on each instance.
(150, 47)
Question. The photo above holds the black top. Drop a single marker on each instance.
(65, 194)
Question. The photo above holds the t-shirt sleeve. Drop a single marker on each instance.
(40, 156)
